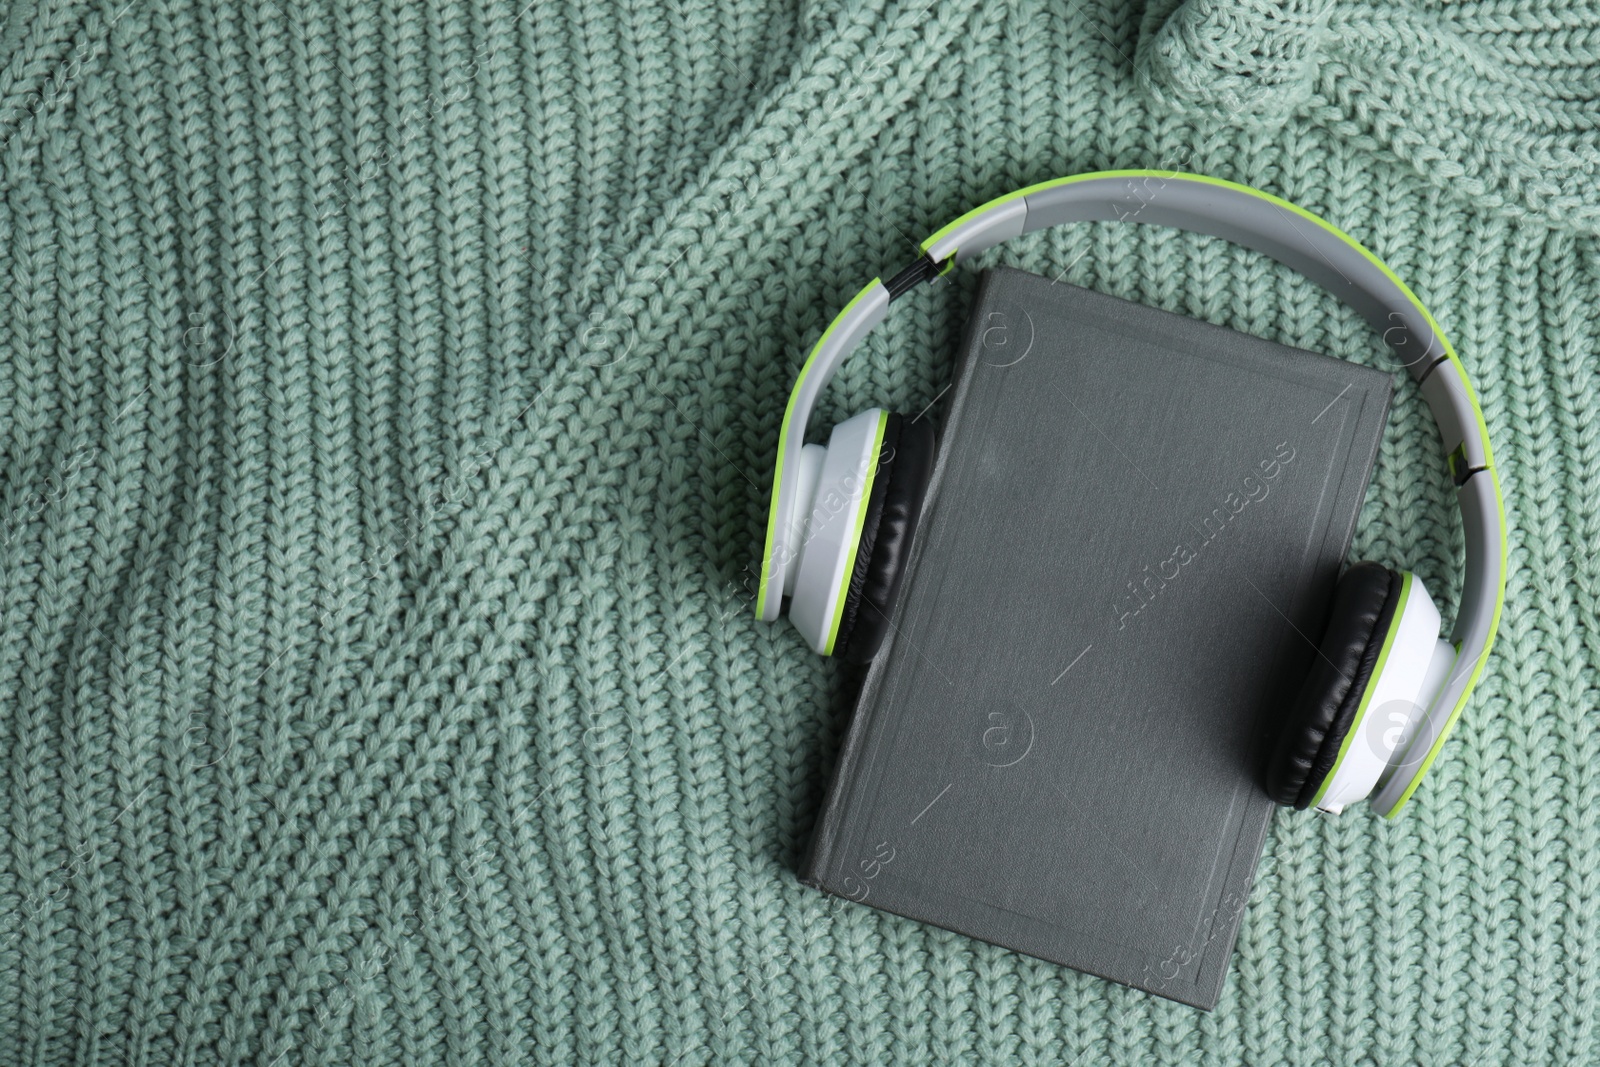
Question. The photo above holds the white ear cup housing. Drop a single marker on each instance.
(811, 460)
(1409, 674)
(832, 511)
(1409, 761)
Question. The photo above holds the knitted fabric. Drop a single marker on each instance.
(389, 393)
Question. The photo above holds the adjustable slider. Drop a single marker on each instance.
(1459, 469)
(924, 269)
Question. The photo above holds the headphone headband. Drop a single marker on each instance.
(1289, 234)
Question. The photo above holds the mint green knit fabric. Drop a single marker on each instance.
(389, 393)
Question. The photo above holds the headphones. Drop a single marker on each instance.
(843, 517)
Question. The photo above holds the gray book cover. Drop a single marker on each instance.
(1127, 553)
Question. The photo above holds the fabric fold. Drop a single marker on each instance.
(1500, 109)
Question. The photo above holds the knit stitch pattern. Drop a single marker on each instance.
(389, 393)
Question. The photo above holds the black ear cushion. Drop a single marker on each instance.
(1363, 607)
(887, 531)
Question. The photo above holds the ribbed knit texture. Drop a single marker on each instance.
(388, 399)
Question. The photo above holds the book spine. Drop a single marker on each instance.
(817, 854)
(831, 819)
(825, 834)
(830, 826)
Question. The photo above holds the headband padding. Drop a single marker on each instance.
(887, 531)
(1363, 609)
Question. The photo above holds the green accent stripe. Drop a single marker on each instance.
(855, 531)
(945, 230)
(1372, 685)
(783, 435)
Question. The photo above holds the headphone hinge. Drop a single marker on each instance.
(924, 269)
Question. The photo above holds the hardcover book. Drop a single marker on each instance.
(1125, 560)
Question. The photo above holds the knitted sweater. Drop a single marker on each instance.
(388, 400)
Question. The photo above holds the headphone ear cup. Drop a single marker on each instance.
(887, 531)
(1364, 605)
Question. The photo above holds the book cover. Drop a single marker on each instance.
(1125, 560)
